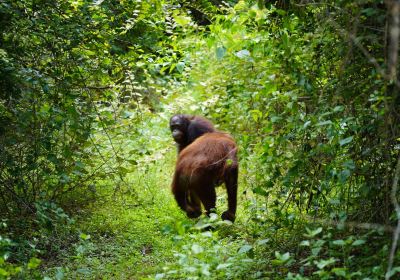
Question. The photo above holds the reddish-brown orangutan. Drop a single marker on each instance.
(206, 159)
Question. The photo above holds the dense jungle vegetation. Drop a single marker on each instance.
(308, 89)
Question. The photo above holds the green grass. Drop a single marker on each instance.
(126, 239)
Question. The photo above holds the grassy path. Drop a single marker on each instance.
(123, 236)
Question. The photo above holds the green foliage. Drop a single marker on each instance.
(311, 114)
(76, 77)
(330, 258)
(280, 80)
(10, 270)
(201, 253)
(86, 91)
(61, 61)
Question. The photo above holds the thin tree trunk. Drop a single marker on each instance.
(393, 49)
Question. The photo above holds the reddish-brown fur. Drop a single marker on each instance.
(207, 162)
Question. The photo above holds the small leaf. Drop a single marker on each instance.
(285, 256)
(328, 122)
(205, 271)
(197, 249)
(339, 242)
(369, 12)
(358, 242)
(281, 258)
(323, 263)
(84, 236)
(306, 124)
(345, 141)
(313, 233)
(260, 191)
(256, 114)
(182, 20)
(245, 249)
(339, 271)
(34, 263)
(223, 266)
(207, 234)
(220, 52)
(85, 271)
(305, 243)
(275, 119)
(338, 109)
(60, 274)
(180, 66)
(243, 54)
(4, 273)
(263, 241)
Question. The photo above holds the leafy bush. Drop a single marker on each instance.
(310, 107)
(209, 254)
(279, 80)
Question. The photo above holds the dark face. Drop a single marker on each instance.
(178, 125)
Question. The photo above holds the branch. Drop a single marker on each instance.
(394, 32)
(397, 209)
(364, 51)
